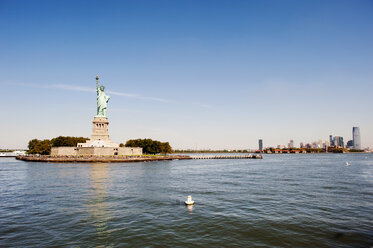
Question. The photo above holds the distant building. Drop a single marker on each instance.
(326, 144)
(350, 144)
(338, 141)
(260, 145)
(291, 144)
(356, 137)
(331, 142)
(319, 145)
(301, 145)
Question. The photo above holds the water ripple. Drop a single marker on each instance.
(280, 201)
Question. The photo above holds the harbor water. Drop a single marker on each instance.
(284, 200)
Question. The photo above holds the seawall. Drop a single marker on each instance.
(94, 159)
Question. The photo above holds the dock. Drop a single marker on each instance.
(250, 156)
(98, 159)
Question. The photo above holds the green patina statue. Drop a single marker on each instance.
(102, 100)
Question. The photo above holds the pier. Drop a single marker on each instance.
(98, 159)
(250, 156)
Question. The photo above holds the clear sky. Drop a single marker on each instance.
(199, 74)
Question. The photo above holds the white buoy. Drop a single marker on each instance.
(189, 201)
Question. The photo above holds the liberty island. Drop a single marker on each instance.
(98, 145)
(100, 148)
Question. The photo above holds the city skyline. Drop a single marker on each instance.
(336, 141)
(206, 75)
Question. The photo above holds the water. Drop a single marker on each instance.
(300, 200)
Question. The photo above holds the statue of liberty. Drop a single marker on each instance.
(102, 100)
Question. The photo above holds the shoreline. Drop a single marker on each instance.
(103, 159)
(126, 159)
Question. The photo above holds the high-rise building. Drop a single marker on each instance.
(260, 145)
(350, 144)
(356, 137)
(341, 142)
(331, 140)
(291, 144)
(338, 141)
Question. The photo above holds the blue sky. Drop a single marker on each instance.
(199, 74)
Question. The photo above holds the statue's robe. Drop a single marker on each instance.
(102, 100)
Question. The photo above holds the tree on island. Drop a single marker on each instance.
(67, 141)
(150, 146)
(43, 147)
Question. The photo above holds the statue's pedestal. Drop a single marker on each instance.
(100, 134)
(100, 129)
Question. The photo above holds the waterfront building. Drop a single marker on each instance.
(301, 145)
(326, 144)
(331, 140)
(338, 141)
(319, 145)
(350, 144)
(356, 138)
(291, 144)
(260, 145)
(341, 142)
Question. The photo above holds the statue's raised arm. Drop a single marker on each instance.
(97, 86)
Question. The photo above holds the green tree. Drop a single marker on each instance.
(150, 146)
(31, 145)
(67, 141)
(42, 147)
(336, 150)
(165, 148)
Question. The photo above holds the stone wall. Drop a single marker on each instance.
(64, 151)
(96, 151)
(130, 150)
(86, 151)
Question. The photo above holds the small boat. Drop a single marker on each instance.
(347, 163)
(189, 201)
